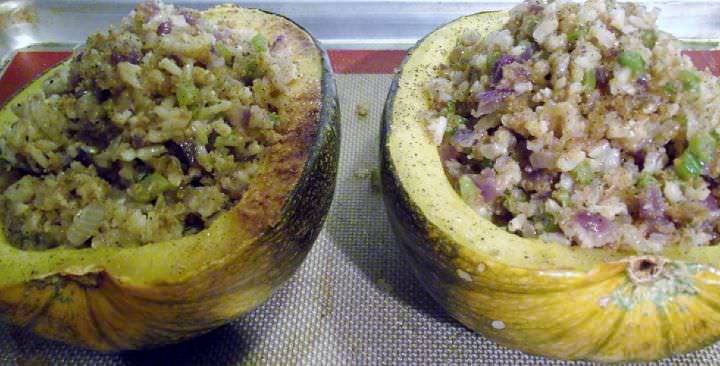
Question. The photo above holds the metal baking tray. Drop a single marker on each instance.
(344, 24)
(387, 318)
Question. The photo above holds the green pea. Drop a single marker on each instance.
(632, 60)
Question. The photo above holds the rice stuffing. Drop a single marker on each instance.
(148, 133)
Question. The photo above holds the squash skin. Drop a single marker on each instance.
(102, 304)
(546, 299)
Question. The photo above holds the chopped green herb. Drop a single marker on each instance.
(274, 117)
(108, 106)
(681, 119)
(224, 52)
(186, 93)
(487, 163)
(649, 38)
(468, 190)
(491, 60)
(449, 109)
(150, 187)
(690, 80)
(669, 88)
(562, 196)
(687, 166)
(579, 33)
(589, 80)
(646, 180)
(715, 135)
(252, 69)
(229, 140)
(547, 221)
(259, 43)
(632, 60)
(702, 146)
(582, 173)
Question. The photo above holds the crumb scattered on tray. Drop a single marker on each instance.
(362, 173)
(362, 110)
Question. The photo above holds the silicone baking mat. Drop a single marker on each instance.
(353, 301)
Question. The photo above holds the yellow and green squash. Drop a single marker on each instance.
(542, 298)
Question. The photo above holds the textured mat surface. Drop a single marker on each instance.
(353, 302)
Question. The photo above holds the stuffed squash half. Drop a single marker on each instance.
(166, 178)
(551, 174)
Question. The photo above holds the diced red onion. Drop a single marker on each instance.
(486, 181)
(592, 222)
(246, 117)
(639, 157)
(189, 16)
(238, 116)
(660, 224)
(448, 152)
(164, 28)
(651, 204)
(642, 82)
(497, 68)
(489, 101)
(601, 78)
(220, 35)
(520, 73)
(132, 57)
(711, 203)
(535, 8)
(538, 180)
(463, 137)
(137, 141)
(278, 44)
(529, 52)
